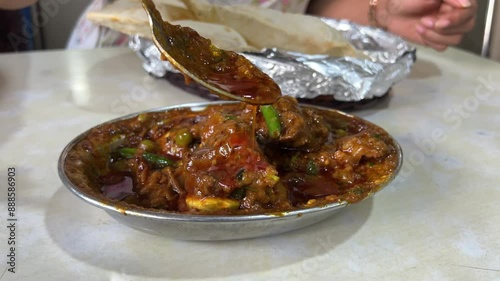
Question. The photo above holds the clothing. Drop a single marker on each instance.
(11, 33)
(291, 6)
(87, 35)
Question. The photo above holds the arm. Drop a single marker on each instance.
(434, 23)
(15, 5)
(354, 10)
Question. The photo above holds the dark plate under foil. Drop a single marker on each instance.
(178, 80)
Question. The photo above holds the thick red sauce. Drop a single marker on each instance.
(222, 69)
(230, 166)
(226, 159)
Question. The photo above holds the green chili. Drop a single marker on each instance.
(272, 118)
(312, 168)
(148, 145)
(143, 117)
(183, 137)
(157, 160)
(358, 190)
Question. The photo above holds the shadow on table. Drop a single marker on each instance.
(423, 69)
(89, 235)
(380, 105)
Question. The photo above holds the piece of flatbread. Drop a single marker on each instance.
(128, 16)
(221, 36)
(267, 28)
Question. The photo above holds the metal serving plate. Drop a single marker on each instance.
(203, 227)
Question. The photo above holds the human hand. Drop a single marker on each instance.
(434, 23)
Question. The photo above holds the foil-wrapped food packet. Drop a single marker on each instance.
(330, 81)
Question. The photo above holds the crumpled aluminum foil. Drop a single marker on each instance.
(388, 60)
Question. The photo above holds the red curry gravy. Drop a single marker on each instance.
(221, 160)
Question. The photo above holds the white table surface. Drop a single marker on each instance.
(440, 220)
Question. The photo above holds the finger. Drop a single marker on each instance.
(458, 18)
(450, 30)
(450, 19)
(430, 20)
(446, 8)
(459, 3)
(437, 47)
(432, 37)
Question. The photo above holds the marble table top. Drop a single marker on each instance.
(439, 220)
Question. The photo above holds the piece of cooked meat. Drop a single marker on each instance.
(228, 158)
(302, 128)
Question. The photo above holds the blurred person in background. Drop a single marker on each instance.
(88, 35)
(10, 23)
(15, 4)
(434, 23)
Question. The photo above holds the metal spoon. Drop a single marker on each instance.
(225, 73)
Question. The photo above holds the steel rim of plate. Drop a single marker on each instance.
(109, 205)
